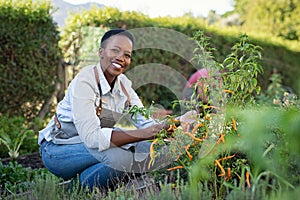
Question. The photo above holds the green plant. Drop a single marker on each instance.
(242, 68)
(246, 152)
(16, 131)
(13, 144)
(15, 179)
(276, 94)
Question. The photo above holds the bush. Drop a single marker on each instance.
(15, 179)
(29, 56)
(19, 135)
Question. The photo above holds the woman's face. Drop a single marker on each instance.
(115, 56)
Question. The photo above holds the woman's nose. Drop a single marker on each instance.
(120, 56)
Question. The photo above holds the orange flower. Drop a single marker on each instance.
(248, 179)
(221, 138)
(214, 107)
(174, 168)
(188, 153)
(152, 152)
(228, 174)
(226, 158)
(193, 137)
(185, 126)
(196, 127)
(178, 156)
(207, 118)
(217, 163)
(228, 91)
(233, 124)
(172, 127)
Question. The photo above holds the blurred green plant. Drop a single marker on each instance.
(276, 94)
(252, 151)
(13, 144)
(16, 132)
(15, 179)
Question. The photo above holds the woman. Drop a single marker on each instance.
(81, 138)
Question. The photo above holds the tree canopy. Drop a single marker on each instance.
(278, 17)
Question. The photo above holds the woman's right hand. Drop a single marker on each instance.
(153, 130)
(189, 117)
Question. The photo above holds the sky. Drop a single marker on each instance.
(173, 8)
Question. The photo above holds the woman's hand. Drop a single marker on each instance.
(153, 130)
(189, 117)
(121, 137)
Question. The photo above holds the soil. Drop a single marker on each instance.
(32, 160)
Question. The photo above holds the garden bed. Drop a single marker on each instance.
(32, 160)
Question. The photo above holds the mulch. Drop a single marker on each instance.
(32, 160)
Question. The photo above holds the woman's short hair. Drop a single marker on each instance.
(113, 32)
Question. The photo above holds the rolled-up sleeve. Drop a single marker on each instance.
(84, 99)
(84, 96)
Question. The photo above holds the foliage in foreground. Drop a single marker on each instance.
(16, 179)
(50, 187)
(245, 147)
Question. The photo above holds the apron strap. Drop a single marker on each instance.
(99, 108)
(128, 102)
(57, 123)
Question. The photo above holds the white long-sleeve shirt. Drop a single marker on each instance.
(80, 102)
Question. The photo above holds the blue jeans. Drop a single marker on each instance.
(69, 160)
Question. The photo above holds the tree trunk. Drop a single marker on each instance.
(58, 93)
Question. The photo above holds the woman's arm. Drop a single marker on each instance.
(121, 137)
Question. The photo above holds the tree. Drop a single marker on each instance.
(277, 17)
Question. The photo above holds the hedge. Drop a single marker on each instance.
(29, 56)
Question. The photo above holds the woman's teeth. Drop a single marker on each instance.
(117, 65)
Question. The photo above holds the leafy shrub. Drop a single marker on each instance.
(247, 149)
(15, 179)
(19, 135)
(29, 56)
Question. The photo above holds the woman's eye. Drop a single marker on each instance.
(115, 50)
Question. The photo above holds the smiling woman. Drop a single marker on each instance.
(82, 136)
(115, 53)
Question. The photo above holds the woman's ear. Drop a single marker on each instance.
(101, 52)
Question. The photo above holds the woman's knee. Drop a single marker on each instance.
(65, 161)
(118, 158)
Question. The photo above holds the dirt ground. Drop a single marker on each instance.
(32, 160)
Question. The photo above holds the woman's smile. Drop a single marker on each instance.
(116, 65)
